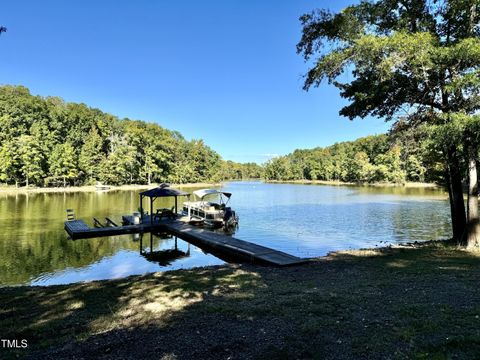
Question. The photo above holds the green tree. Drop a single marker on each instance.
(91, 155)
(279, 168)
(182, 173)
(10, 166)
(464, 129)
(471, 138)
(340, 160)
(361, 168)
(417, 55)
(34, 131)
(120, 164)
(205, 161)
(63, 162)
(390, 167)
(414, 168)
(31, 160)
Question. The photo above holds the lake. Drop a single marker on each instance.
(303, 220)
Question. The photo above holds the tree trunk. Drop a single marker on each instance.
(64, 182)
(472, 231)
(450, 198)
(457, 205)
(26, 182)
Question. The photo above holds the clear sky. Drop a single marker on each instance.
(225, 71)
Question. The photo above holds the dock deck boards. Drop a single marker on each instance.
(217, 242)
(249, 251)
(76, 225)
(78, 229)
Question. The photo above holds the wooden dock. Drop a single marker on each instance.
(218, 243)
(233, 247)
(78, 229)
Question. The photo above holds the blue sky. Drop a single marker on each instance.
(223, 71)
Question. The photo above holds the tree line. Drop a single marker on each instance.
(45, 141)
(392, 158)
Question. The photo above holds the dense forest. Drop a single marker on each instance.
(402, 155)
(45, 141)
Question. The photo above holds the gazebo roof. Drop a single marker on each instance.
(163, 191)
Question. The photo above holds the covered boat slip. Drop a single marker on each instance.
(219, 243)
(163, 190)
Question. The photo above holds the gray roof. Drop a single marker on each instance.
(163, 191)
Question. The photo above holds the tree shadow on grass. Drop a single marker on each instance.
(404, 303)
(432, 256)
(53, 315)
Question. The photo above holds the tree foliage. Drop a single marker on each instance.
(413, 54)
(379, 158)
(47, 142)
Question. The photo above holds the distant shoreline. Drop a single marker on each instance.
(10, 190)
(7, 190)
(343, 183)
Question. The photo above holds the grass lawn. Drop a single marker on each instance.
(395, 303)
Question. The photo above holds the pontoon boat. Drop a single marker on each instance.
(210, 208)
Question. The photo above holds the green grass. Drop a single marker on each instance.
(400, 303)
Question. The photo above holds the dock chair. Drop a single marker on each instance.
(70, 215)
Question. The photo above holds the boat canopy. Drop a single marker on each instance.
(204, 192)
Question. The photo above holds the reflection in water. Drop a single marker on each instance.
(164, 257)
(304, 220)
(131, 258)
(312, 220)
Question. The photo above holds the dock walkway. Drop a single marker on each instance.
(209, 240)
(248, 251)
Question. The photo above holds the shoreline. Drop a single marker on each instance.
(421, 185)
(382, 296)
(10, 190)
(373, 251)
(91, 188)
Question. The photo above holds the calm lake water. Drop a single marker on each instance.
(303, 220)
